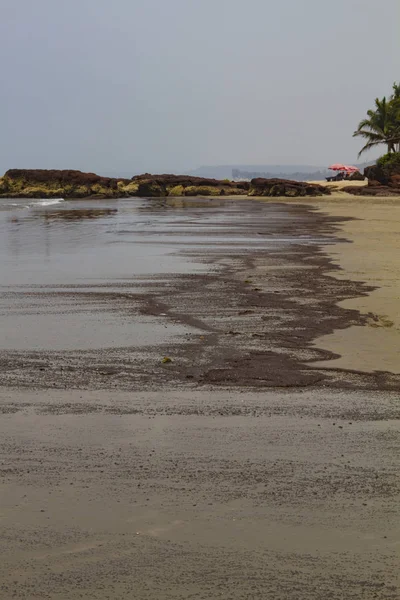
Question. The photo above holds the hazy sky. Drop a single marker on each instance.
(168, 85)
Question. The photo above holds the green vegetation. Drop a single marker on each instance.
(382, 125)
(202, 190)
(389, 161)
(177, 190)
(127, 189)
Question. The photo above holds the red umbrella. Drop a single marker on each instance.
(340, 167)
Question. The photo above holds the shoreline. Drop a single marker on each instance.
(264, 312)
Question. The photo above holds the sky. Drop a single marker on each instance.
(130, 86)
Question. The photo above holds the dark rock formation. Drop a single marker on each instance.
(31, 183)
(356, 176)
(42, 183)
(186, 185)
(378, 175)
(58, 177)
(372, 189)
(383, 178)
(285, 187)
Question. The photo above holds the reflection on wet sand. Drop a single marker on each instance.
(76, 215)
(155, 204)
(21, 234)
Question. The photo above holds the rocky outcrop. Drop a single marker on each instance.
(356, 176)
(379, 175)
(31, 183)
(372, 190)
(383, 178)
(42, 183)
(185, 185)
(182, 185)
(286, 188)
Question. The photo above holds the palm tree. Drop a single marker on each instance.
(382, 125)
(395, 102)
(396, 92)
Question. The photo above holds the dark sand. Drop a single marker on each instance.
(239, 469)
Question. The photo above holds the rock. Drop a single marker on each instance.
(43, 183)
(176, 190)
(356, 176)
(204, 190)
(287, 188)
(383, 178)
(151, 189)
(185, 185)
(128, 189)
(40, 183)
(373, 189)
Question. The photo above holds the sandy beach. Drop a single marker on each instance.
(373, 258)
(261, 461)
(200, 334)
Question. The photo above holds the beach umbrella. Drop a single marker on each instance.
(350, 169)
(345, 168)
(337, 167)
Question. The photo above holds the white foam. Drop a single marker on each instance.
(48, 202)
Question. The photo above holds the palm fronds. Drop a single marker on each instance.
(382, 125)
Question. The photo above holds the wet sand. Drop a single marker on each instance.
(199, 494)
(243, 468)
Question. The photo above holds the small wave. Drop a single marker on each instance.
(13, 205)
(48, 202)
